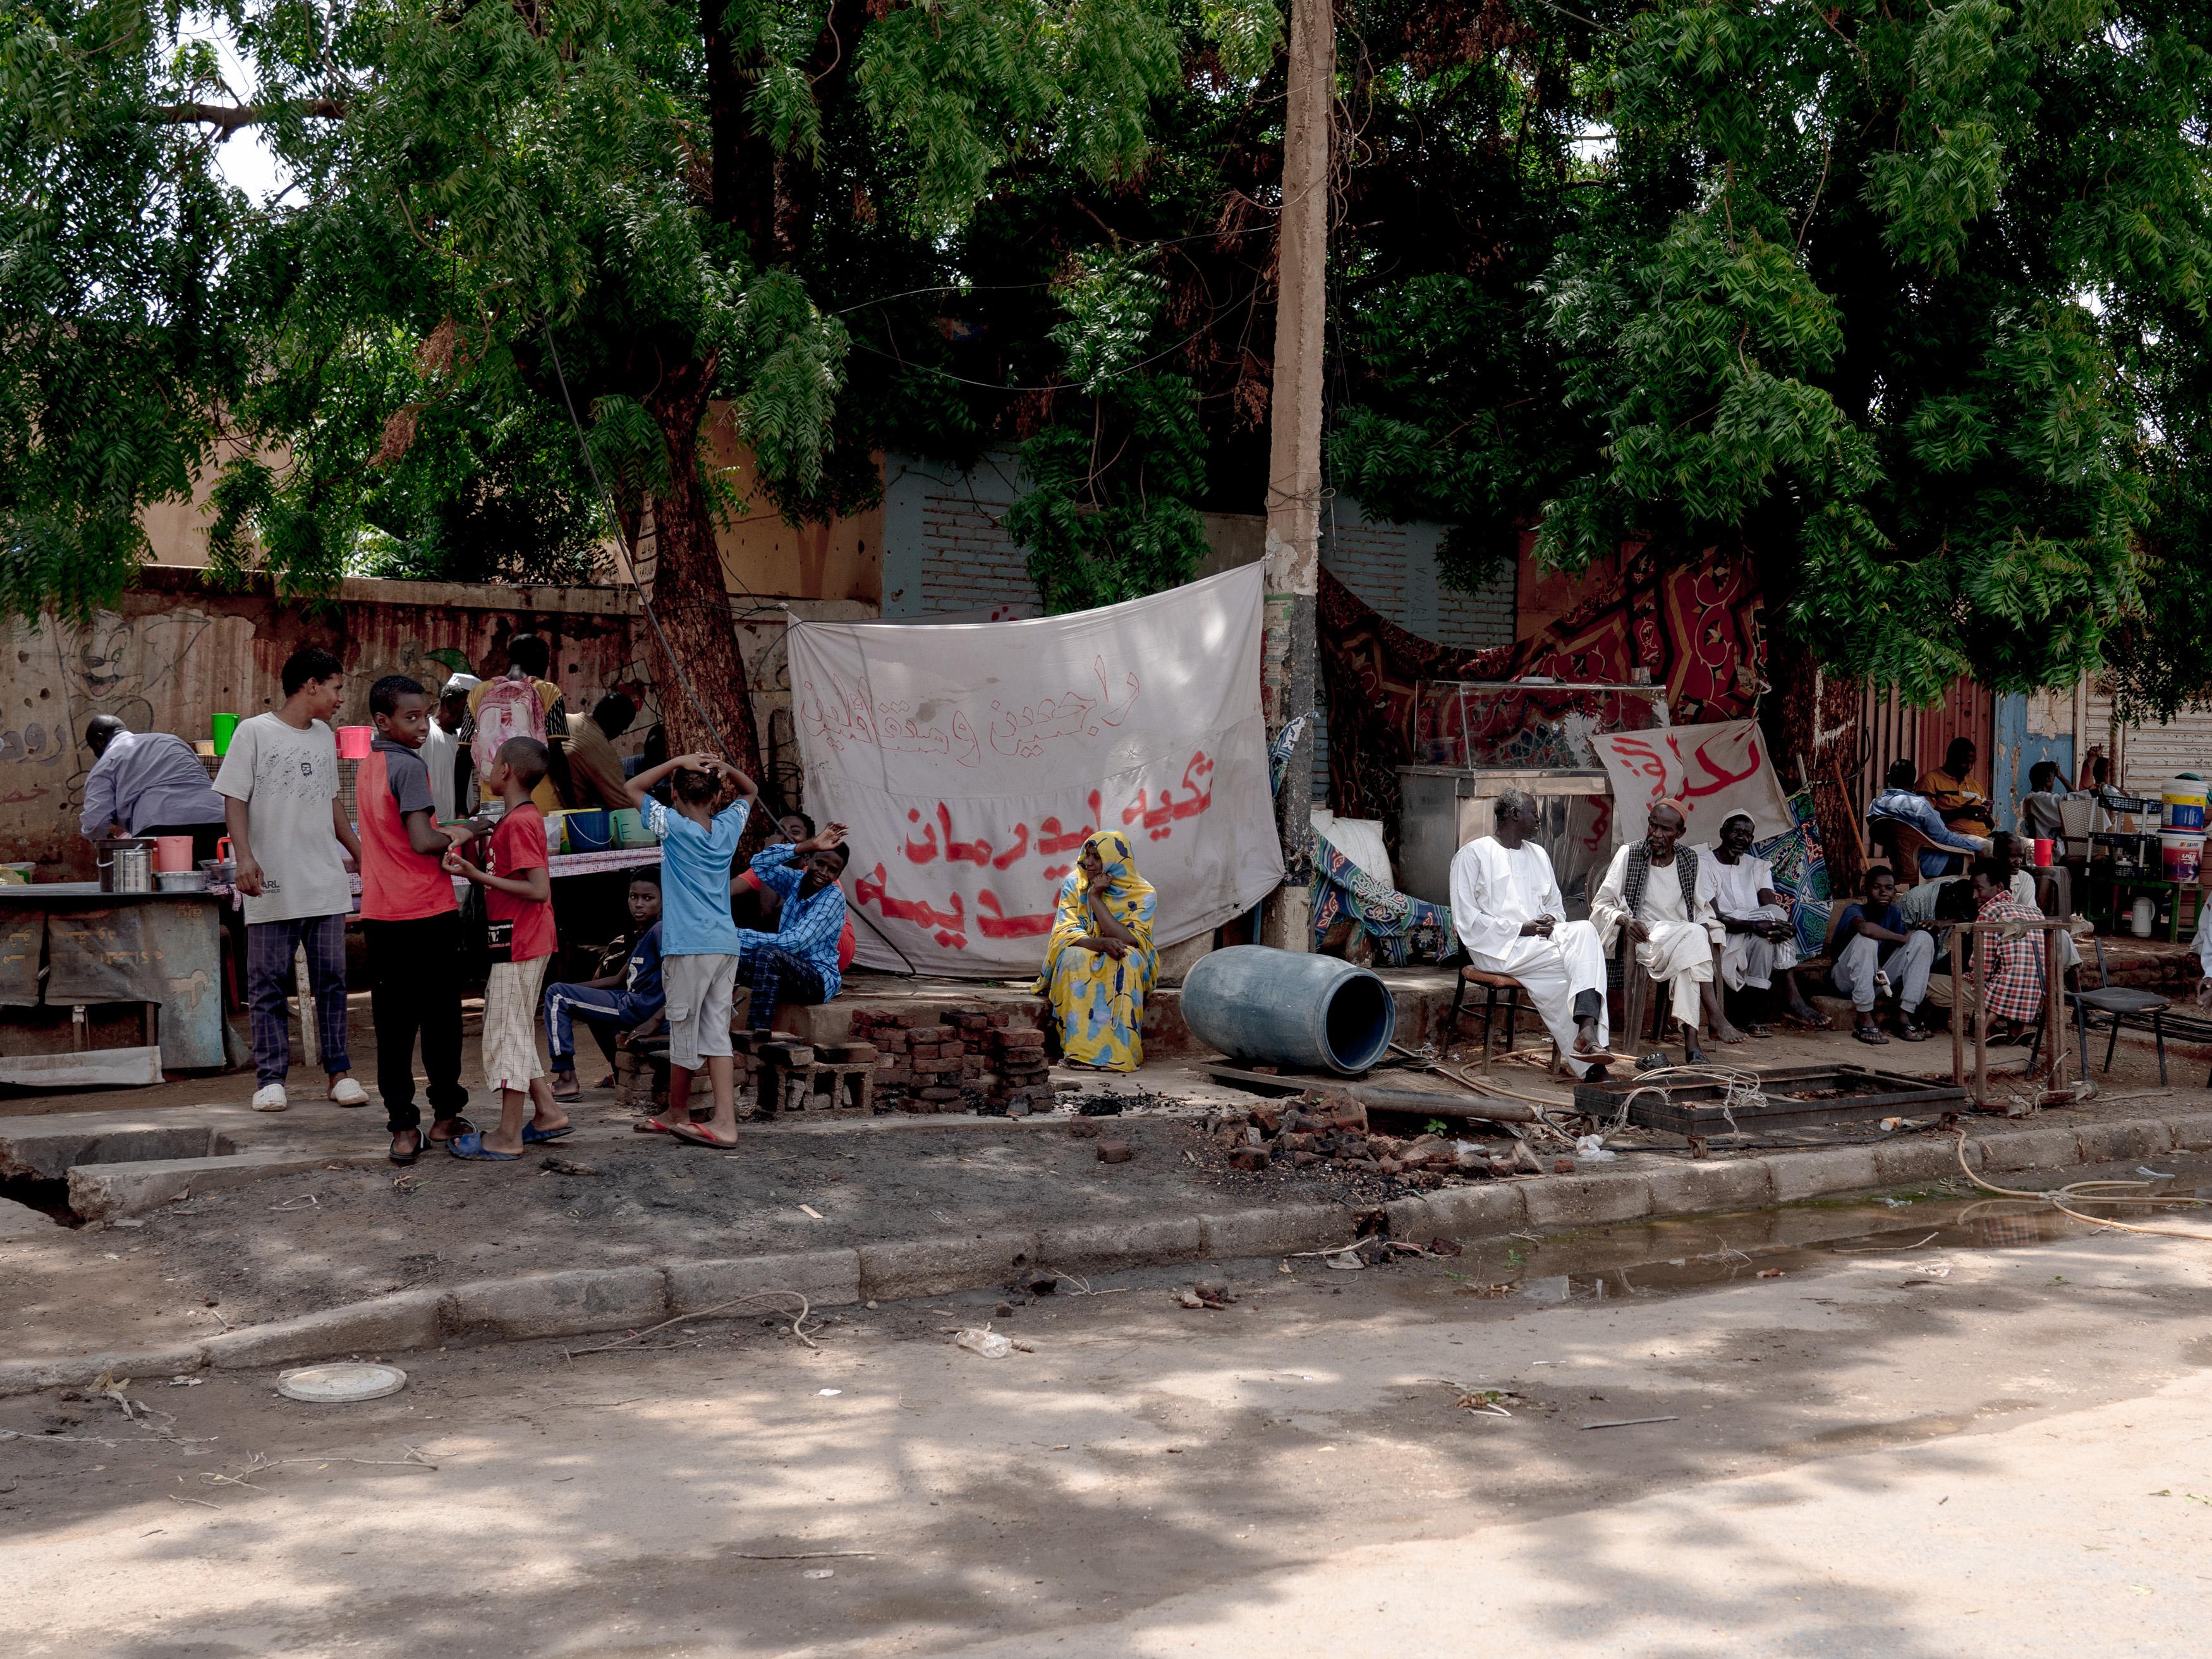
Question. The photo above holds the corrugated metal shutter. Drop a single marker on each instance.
(1888, 732)
(2150, 753)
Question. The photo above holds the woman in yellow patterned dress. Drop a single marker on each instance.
(1099, 962)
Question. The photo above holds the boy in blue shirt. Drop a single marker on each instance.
(699, 942)
(798, 962)
(624, 998)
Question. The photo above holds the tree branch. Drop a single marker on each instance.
(230, 117)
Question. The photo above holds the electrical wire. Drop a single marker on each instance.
(2079, 1193)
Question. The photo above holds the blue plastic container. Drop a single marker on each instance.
(590, 832)
(1281, 1008)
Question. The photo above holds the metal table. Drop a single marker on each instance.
(81, 968)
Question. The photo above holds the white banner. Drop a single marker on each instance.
(969, 762)
(1714, 770)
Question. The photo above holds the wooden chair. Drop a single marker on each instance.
(1490, 984)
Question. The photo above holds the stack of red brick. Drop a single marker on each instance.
(977, 1053)
(1331, 1127)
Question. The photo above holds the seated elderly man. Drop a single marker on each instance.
(1661, 896)
(1507, 909)
(1761, 946)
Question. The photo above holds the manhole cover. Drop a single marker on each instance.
(339, 1385)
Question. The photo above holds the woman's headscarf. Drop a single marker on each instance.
(1129, 897)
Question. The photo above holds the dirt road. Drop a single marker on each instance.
(1892, 1450)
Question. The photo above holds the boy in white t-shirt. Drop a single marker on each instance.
(279, 779)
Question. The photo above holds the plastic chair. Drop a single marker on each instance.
(1905, 844)
(2118, 1002)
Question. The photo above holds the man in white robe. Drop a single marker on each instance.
(1761, 943)
(1677, 936)
(1509, 915)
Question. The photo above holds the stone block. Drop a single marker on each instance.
(1919, 1159)
(2031, 1149)
(1460, 1213)
(1814, 1174)
(1583, 1200)
(74, 1371)
(2118, 1143)
(1276, 1229)
(384, 1324)
(2193, 1133)
(101, 1191)
(568, 1304)
(1102, 1246)
(959, 1261)
(827, 1278)
(1693, 1185)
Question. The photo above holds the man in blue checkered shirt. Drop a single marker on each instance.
(798, 962)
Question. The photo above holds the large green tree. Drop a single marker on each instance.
(1907, 300)
(496, 211)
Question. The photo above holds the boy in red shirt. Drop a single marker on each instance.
(411, 922)
(518, 891)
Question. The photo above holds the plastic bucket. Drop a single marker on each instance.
(2182, 854)
(591, 831)
(2184, 800)
(2045, 850)
(172, 853)
(220, 728)
(354, 741)
(631, 830)
(556, 832)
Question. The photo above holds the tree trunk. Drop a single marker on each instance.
(744, 162)
(689, 598)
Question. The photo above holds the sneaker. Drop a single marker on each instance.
(348, 1091)
(269, 1098)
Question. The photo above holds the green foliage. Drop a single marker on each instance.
(1906, 301)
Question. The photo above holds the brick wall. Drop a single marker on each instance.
(1394, 568)
(945, 550)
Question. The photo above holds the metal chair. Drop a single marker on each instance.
(1490, 984)
(2118, 1003)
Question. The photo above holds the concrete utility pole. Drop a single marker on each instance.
(1288, 685)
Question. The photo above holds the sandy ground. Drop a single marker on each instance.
(1885, 1450)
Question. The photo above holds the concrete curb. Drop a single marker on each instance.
(588, 1302)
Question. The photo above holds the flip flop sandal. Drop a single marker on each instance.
(1653, 1061)
(1912, 1033)
(1871, 1037)
(463, 1127)
(1760, 1033)
(536, 1137)
(570, 1098)
(650, 1125)
(698, 1134)
(470, 1148)
(1695, 1057)
(421, 1140)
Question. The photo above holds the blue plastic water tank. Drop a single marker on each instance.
(1282, 1008)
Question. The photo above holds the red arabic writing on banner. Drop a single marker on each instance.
(1158, 815)
(1700, 773)
(950, 921)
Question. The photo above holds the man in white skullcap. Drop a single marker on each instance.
(1508, 911)
(443, 751)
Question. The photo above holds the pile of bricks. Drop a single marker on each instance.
(887, 1034)
(973, 1058)
(1330, 1128)
(641, 1073)
(1018, 1069)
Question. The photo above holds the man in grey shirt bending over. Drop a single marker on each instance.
(151, 783)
